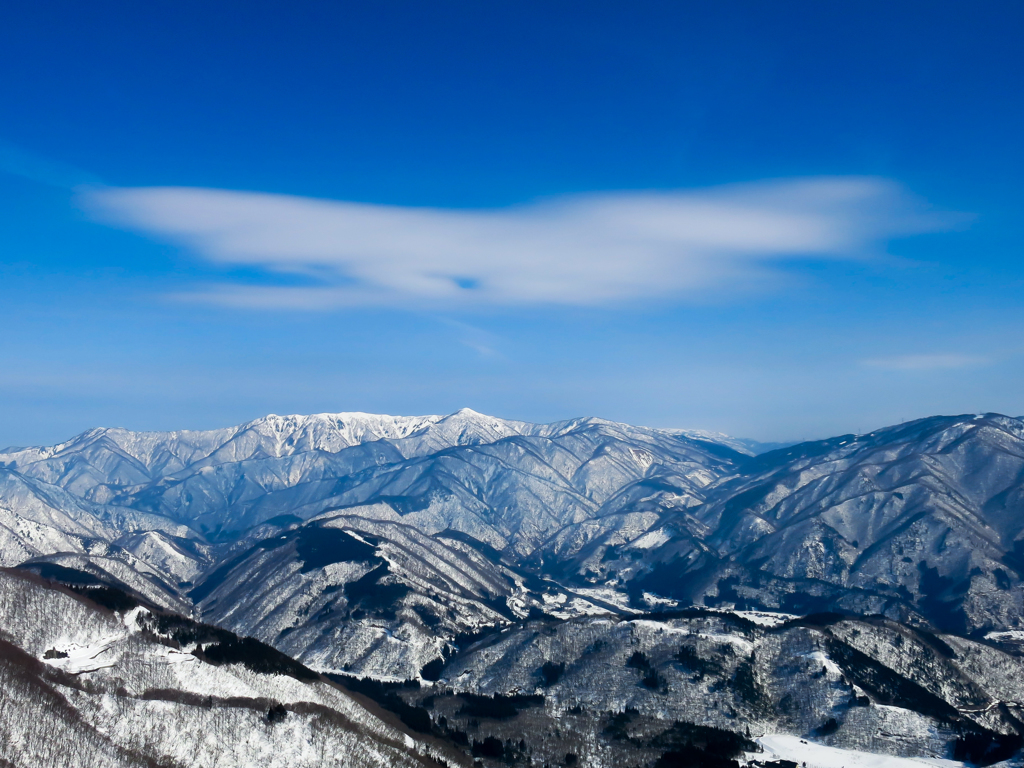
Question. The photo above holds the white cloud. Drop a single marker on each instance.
(584, 250)
(926, 362)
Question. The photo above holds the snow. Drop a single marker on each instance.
(651, 539)
(131, 618)
(577, 607)
(171, 656)
(1011, 635)
(744, 645)
(643, 458)
(661, 628)
(86, 658)
(826, 662)
(765, 618)
(785, 747)
(333, 431)
(654, 600)
(515, 495)
(607, 595)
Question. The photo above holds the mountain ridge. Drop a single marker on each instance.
(465, 551)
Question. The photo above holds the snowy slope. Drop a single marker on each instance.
(919, 520)
(488, 551)
(84, 686)
(514, 483)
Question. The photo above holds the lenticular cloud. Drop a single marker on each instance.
(586, 250)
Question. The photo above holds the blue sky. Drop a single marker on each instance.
(777, 220)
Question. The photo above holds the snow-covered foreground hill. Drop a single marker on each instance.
(88, 686)
(554, 566)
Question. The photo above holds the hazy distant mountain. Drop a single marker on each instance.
(223, 482)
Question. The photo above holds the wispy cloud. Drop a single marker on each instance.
(926, 362)
(585, 250)
(484, 343)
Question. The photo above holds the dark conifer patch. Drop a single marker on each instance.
(497, 707)
(551, 672)
(887, 686)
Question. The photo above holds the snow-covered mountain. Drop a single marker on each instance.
(918, 521)
(483, 551)
(616, 685)
(89, 685)
(466, 468)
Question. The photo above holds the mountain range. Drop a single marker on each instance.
(640, 583)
